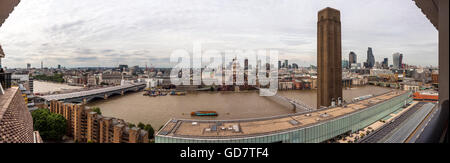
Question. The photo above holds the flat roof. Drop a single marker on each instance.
(225, 129)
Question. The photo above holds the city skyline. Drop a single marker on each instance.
(102, 97)
(91, 34)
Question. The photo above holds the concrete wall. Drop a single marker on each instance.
(443, 50)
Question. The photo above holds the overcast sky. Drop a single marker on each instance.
(110, 32)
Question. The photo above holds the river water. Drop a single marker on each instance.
(135, 108)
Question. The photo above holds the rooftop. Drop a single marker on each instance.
(6, 99)
(217, 129)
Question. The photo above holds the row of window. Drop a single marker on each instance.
(318, 133)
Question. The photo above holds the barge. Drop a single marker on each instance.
(204, 113)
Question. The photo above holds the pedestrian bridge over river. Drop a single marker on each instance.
(88, 95)
(297, 106)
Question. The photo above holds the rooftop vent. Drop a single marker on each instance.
(324, 115)
(294, 122)
(236, 128)
(213, 128)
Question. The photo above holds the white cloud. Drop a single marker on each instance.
(105, 33)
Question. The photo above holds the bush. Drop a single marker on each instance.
(97, 110)
(51, 126)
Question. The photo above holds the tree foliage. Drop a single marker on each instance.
(51, 126)
(148, 128)
(150, 131)
(97, 110)
(141, 125)
(131, 125)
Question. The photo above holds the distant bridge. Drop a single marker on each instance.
(297, 106)
(88, 95)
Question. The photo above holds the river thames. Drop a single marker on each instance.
(135, 108)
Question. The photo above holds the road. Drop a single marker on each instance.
(419, 130)
(409, 126)
(380, 133)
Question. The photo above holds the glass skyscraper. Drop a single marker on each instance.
(397, 59)
(370, 58)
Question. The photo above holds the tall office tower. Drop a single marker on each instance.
(397, 60)
(279, 64)
(329, 57)
(370, 58)
(345, 64)
(286, 63)
(42, 64)
(352, 58)
(246, 64)
(385, 64)
(28, 65)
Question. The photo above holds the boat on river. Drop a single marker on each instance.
(204, 113)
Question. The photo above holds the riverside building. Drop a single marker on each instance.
(84, 125)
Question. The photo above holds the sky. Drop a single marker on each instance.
(87, 33)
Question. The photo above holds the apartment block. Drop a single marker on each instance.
(84, 125)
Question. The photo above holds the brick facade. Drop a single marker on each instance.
(84, 125)
(329, 56)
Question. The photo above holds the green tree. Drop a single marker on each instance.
(150, 131)
(97, 110)
(50, 126)
(141, 125)
(131, 125)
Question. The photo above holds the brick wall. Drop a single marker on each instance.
(87, 126)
